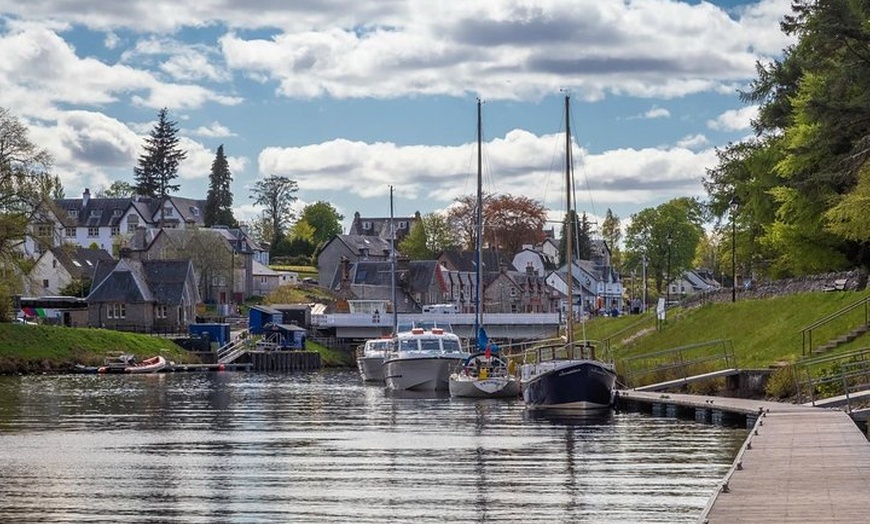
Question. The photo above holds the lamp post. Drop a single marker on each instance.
(733, 205)
(668, 239)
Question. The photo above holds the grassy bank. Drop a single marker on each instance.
(25, 348)
(39, 349)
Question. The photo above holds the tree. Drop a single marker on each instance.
(158, 165)
(275, 194)
(117, 189)
(324, 220)
(428, 237)
(611, 231)
(582, 230)
(219, 199)
(26, 183)
(668, 235)
(509, 222)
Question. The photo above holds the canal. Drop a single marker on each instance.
(240, 447)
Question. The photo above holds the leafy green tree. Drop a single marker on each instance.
(428, 237)
(324, 221)
(275, 194)
(117, 189)
(611, 231)
(582, 241)
(219, 199)
(669, 235)
(158, 165)
(25, 182)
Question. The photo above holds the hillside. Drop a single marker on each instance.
(763, 332)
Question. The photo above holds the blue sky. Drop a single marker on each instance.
(349, 98)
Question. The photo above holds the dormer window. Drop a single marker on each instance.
(73, 213)
(167, 211)
(195, 211)
(116, 212)
(367, 226)
(96, 213)
(403, 225)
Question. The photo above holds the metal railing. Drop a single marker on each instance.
(832, 376)
(679, 363)
(807, 332)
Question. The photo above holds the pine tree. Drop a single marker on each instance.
(157, 167)
(219, 200)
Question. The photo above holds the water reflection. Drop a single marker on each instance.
(323, 447)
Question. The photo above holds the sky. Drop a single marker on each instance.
(352, 97)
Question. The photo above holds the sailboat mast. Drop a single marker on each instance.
(569, 232)
(393, 296)
(478, 319)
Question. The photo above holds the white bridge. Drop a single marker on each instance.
(498, 325)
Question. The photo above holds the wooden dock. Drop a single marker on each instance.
(799, 464)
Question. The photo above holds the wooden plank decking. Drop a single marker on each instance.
(799, 464)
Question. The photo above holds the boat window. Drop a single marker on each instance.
(407, 345)
(451, 345)
(431, 344)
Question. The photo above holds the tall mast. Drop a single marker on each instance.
(569, 232)
(478, 319)
(393, 268)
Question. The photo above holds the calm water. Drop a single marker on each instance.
(323, 447)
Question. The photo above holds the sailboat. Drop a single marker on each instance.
(567, 375)
(484, 374)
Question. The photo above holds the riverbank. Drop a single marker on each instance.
(52, 349)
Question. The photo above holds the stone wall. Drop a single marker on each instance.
(856, 280)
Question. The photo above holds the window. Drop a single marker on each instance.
(73, 213)
(45, 283)
(403, 225)
(513, 292)
(116, 212)
(160, 311)
(43, 230)
(116, 231)
(93, 232)
(131, 228)
(96, 212)
(54, 263)
(367, 226)
(133, 219)
(116, 311)
(195, 211)
(167, 211)
(70, 232)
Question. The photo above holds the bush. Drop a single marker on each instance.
(781, 384)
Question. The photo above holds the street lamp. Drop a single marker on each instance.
(733, 205)
(668, 239)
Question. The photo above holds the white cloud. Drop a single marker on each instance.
(213, 130)
(693, 142)
(734, 119)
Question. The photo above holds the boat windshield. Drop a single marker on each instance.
(451, 346)
(426, 325)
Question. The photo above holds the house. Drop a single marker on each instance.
(106, 223)
(380, 227)
(418, 282)
(350, 248)
(596, 285)
(692, 282)
(222, 258)
(520, 292)
(265, 280)
(530, 257)
(58, 267)
(143, 295)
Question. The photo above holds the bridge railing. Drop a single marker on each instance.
(679, 363)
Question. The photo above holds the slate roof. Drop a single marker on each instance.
(127, 280)
(96, 212)
(80, 262)
(492, 259)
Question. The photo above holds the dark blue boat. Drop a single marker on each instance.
(568, 384)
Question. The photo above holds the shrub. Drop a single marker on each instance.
(781, 383)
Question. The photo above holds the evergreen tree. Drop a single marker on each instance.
(157, 167)
(219, 200)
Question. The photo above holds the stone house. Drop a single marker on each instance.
(380, 226)
(143, 295)
(339, 249)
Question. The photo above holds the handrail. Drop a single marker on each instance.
(807, 332)
(681, 359)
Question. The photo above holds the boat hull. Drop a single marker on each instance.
(425, 373)
(568, 384)
(495, 387)
(150, 365)
(371, 369)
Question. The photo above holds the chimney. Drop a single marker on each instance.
(86, 197)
